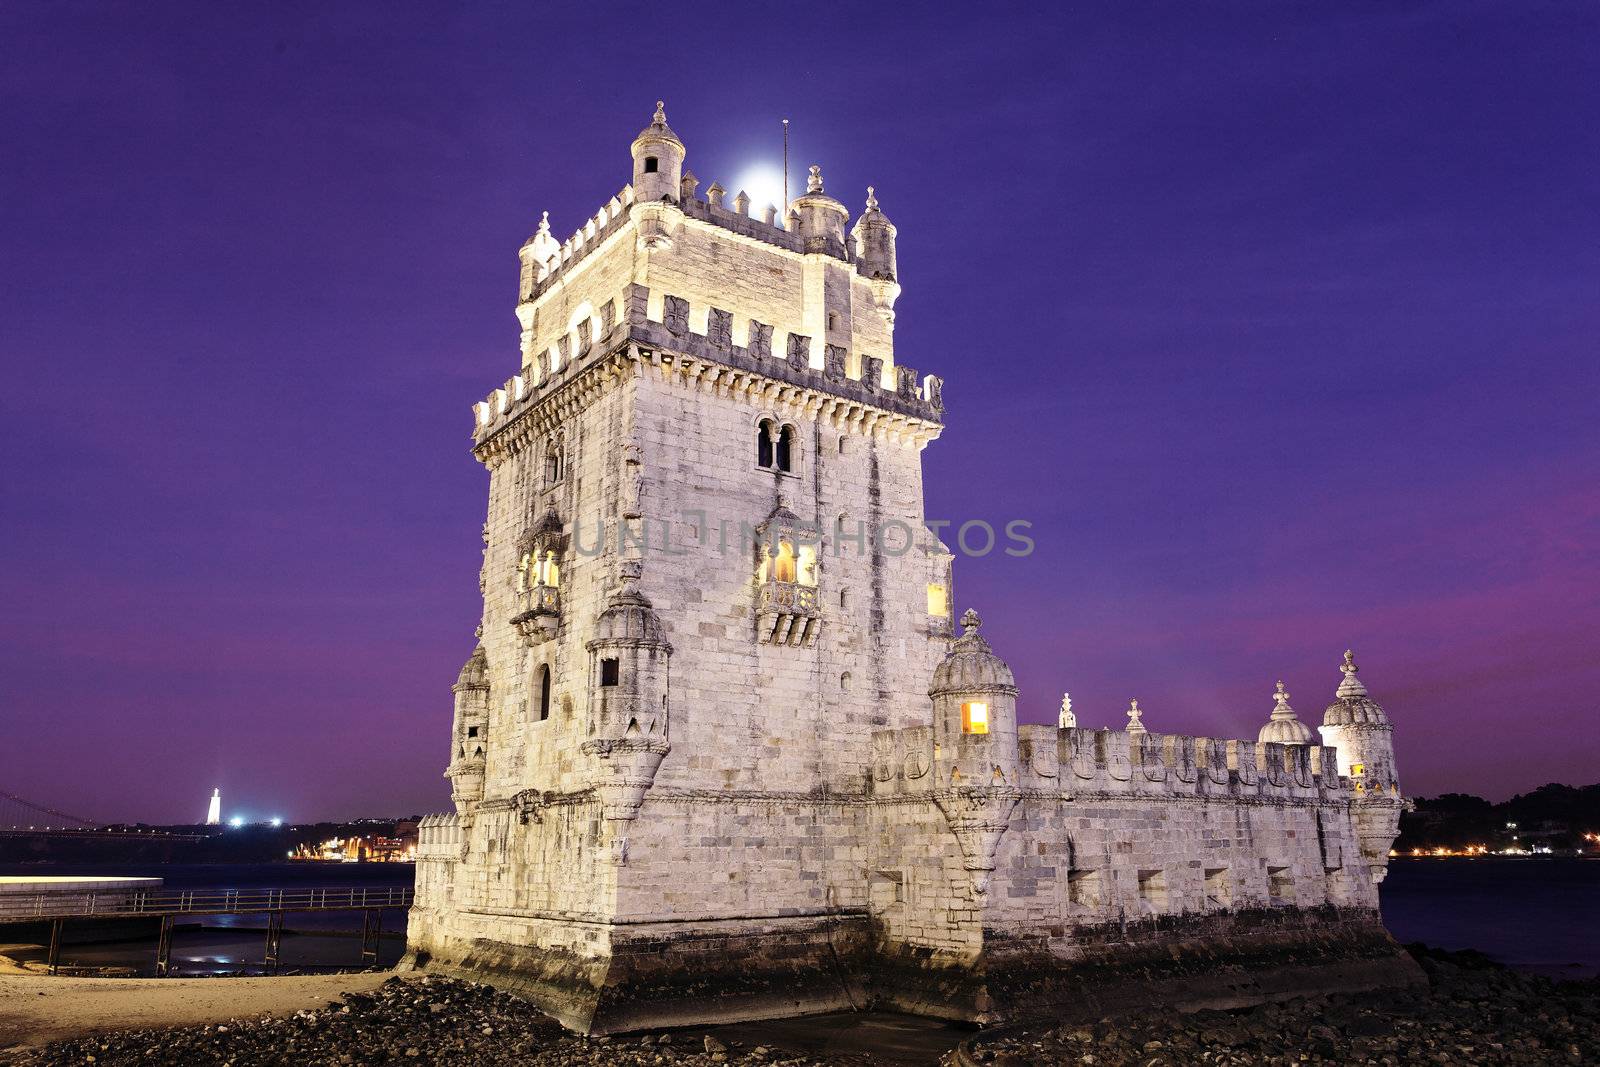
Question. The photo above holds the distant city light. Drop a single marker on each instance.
(276, 822)
(236, 822)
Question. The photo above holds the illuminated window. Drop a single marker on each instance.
(937, 603)
(974, 717)
(610, 672)
(783, 563)
(1358, 770)
(547, 571)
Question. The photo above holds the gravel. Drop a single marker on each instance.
(422, 1021)
(1473, 1012)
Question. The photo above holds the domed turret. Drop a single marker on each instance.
(469, 736)
(1352, 706)
(818, 218)
(657, 160)
(975, 700)
(475, 672)
(1283, 728)
(630, 620)
(874, 236)
(972, 666)
(1358, 729)
(626, 731)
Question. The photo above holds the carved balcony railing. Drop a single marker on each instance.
(786, 614)
(539, 612)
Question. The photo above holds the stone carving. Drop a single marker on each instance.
(632, 481)
(935, 387)
(675, 315)
(799, 352)
(871, 373)
(906, 377)
(760, 344)
(719, 328)
(833, 362)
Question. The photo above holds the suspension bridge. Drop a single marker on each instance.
(21, 817)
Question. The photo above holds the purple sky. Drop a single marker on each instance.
(1278, 323)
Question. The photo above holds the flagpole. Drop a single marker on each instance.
(785, 212)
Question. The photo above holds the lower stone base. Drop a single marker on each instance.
(1217, 961)
(655, 979)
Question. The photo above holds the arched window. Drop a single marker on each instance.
(844, 681)
(544, 692)
(783, 563)
(764, 443)
(786, 449)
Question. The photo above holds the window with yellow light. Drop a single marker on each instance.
(938, 604)
(975, 717)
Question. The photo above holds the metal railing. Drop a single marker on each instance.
(67, 903)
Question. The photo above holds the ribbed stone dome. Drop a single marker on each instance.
(629, 619)
(971, 666)
(475, 672)
(1283, 728)
(658, 130)
(1352, 706)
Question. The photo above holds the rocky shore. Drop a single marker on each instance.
(1473, 1013)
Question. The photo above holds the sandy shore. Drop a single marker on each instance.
(36, 1009)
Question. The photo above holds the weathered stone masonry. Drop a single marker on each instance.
(720, 754)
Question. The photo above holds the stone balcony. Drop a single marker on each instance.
(787, 614)
(539, 613)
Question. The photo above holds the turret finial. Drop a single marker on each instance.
(1281, 708)
(544, 223)
(814, 180)
(970, 622)
(1135, 726)
(1350, 685)
(660, 117)
(1067, 720)
(872, 199)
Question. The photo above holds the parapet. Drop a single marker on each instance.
(1073, 761)
(663, 325)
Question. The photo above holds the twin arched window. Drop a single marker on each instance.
(775, 446)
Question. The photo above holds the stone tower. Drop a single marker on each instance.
(706, 581)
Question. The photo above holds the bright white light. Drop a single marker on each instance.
(236, 821)
(764, 184)
(276, 822)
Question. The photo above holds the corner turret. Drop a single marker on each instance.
(874, 237)
(818, 219)
(468, 756)
(975, 746)
(1358, 728)
(657, 160)
(628, 706)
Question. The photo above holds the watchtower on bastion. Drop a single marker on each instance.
(720, 752)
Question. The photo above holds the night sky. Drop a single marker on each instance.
(1278, 323)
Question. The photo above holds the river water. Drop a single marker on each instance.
(1535, 914)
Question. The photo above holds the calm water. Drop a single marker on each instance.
(1530, 913)
(1536, 914)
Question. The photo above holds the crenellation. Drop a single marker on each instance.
(759, 760)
